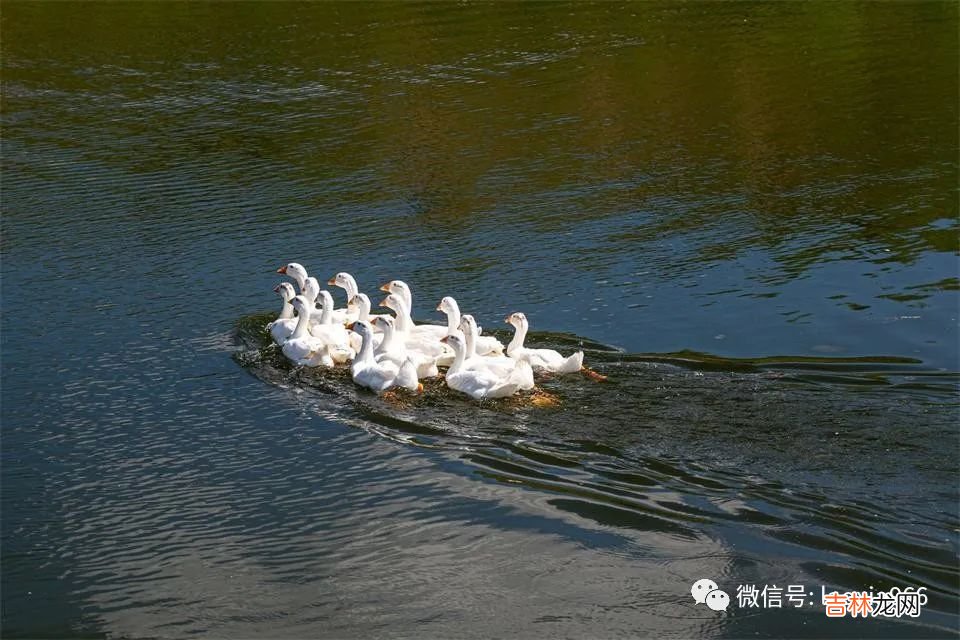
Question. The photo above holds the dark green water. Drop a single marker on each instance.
(745, 213)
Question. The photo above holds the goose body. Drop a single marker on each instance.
(480, 383)
(423, 342)
(282, 328)
(335, 336)
(500, 365)
(394, 349)
(301, 347)
(379, 376)
(540, 359)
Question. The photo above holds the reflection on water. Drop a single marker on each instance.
(756, 203)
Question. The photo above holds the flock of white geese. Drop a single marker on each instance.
(387, 351)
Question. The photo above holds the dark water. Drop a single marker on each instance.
(746, 213)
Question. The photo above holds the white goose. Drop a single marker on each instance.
(312, 292)
(395, 350)
(486, 345)
(296, 271)
(480, 383)
(335, 336)
(362, 304)
(349, 284)
(423, 342)
(283, 326)
(539, 359)
(380, 376)
(402, 290)
(301, 347)
(500, 365)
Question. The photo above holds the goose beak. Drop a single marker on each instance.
(439, 307)
(383, 303)
(350, 326)
(332, 281)
(353, 300)
(282, 269)
(276, 289)
(507, 319)
(385, 287)
(444, 339)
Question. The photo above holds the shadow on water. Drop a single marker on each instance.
(810, 453)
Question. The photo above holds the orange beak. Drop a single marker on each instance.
(350, 326)
(276, 289)
(385, 287)
(419, 387)
(282, 269)
(444, 339)
(383, 303)
(332, 281)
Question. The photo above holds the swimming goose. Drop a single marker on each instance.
(500, 365)
(419, 341)
(349, 284)
(485, 345)
(301, 347)
(396, 351)
(380, 376)
(539, 359)
(402, 290)
(283, 326)
(334, 335)
(312, 292)
(480, 383)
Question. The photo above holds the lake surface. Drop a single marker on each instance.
(746, 214)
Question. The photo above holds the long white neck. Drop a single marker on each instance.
(300, 277)
(407, 297)
(453, 317)
(366, 349)
(351, 288)
(303, 324)
(404, 321)
(470, 337)
(286, 312)
(326, 308)
(388, 343)
(458, 360)
(364, 304)
(519, 334)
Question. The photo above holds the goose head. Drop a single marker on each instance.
(398, 287)
(326, 300)
(517, 319)
(296, 271)
(343, 280)
(310, 289)
(467, 324)
(384, 323)
(394, 302)
(285, 291)
(363, 329)
(455, 342)
(362, 302)
(301, 304)
(448, 305)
